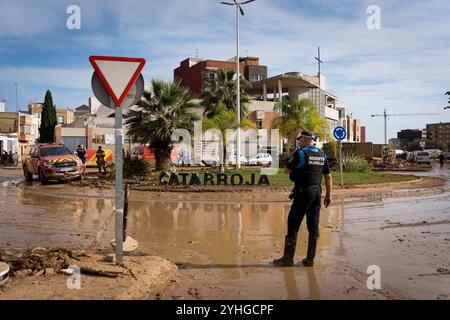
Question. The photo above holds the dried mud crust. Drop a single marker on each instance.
(38, 274)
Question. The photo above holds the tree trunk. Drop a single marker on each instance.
(224, 156)
(162, 158)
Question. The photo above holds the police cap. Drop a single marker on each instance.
(307, 134)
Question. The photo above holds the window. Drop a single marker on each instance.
(60, 119)
(25, 129)
(54, 151)
(259, 123)
(100, 138)
(257, 77)
(210, 75)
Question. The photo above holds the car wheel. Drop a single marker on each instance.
(27, 174)
(42, 178)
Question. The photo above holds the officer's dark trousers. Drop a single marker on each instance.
(307, 202)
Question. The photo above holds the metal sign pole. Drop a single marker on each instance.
(118, 196)
(125, 212)
(340, 164)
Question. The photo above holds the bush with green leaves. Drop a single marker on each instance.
(134, 167)
(352, 162)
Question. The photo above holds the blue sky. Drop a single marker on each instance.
(403, 67)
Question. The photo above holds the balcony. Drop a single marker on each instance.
(26, 137)
(331, 113)
(259, 105)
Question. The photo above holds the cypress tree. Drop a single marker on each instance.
(48, 120)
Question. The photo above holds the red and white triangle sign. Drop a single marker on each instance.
(118, 74)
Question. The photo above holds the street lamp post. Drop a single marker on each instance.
(238, 86)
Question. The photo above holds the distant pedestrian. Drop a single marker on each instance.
(4, 157)
(15, 159)
(441, 160)
(185, 158)
(101, 163)
(10, 158)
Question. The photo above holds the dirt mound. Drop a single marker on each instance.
(37, 259)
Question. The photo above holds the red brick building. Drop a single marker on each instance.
(439, 132)
(193, 72)
(363, 134)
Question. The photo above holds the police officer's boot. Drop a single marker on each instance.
(309, 260)
(287, 260)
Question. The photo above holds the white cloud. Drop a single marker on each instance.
(59, 78)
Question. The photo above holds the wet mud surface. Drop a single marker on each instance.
(223, 244)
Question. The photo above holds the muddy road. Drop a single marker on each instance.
(224, 244)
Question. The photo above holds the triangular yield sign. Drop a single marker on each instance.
(118, 74)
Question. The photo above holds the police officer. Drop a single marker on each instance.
(101, 163)
(81, 153)
(305, 168)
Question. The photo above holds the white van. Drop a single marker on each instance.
(422, 157)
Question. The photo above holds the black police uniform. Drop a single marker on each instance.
(307, 165)
(81, 153)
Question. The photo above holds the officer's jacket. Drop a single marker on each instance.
(307, 165)
(81, 153)
(100, 156)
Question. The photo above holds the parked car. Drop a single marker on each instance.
(211, 160)
(91, 157)
(145, 153)
(51, 162)
(242, 159)
(264, 159)
(434, 153)
(423, 157)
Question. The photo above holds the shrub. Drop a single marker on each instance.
(352, 162)
(134, 167)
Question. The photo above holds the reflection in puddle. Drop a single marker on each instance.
(232, 242)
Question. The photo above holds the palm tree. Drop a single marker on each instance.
(299, 115)
(160, 113)
(223, 120)
(222, 90)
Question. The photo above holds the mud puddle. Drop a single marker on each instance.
(224, 245)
